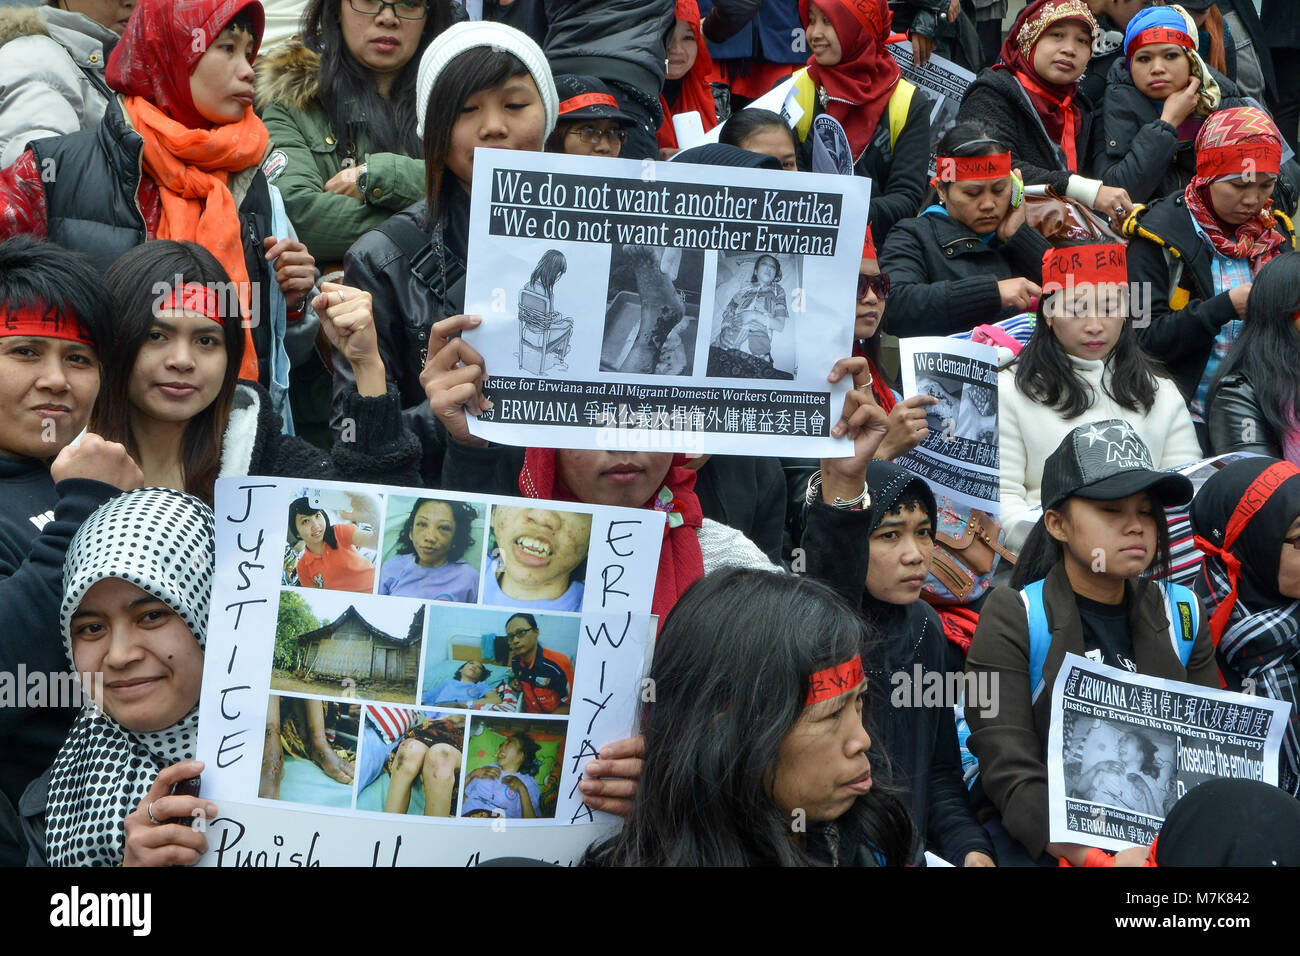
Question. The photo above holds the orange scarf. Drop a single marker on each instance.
(192, 168)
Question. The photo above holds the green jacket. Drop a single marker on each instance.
(305, 155)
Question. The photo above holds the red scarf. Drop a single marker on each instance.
(696, 93)
(681, 563)
(1054, 103)
(861, 84)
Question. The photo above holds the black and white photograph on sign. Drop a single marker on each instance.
(433, 549)
(410, 761)
(513, 767)
(1120, 764)
(652, 310)
(310, 751)
(545, 333)
(537, 558)
(754, 316)
(333, 540)
(941, 419)
(339, 645)
(942, 82)
(500, 661)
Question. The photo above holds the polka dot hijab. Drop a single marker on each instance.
(161, 541)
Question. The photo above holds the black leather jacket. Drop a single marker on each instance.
(1235, 422)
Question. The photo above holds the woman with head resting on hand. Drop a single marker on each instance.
(1222, 229)
(758, 721)
(1087, 583)
(1031, 101)
(178, 156)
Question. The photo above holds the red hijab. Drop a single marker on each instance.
(696, 93)
(681, 563)
(862, 82)
(1060, 116)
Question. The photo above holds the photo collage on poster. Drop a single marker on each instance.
(424, 655)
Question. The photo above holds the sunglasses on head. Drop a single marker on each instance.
(879, 284)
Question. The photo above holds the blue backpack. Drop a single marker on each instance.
(1181, 608)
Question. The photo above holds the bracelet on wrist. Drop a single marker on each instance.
(861, 502)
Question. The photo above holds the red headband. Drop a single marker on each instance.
(1256, 496)
(958, 169)
(1159, 35)
(834, 681)
(42, 321)
(194, 297)
(1213, 162)
(1079, 265)
(574, 103)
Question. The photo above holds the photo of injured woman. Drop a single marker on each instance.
(500, 661)
(652, 310)
(410, 761)
(753, 330)
(514, 767)
(1119, 764)
(538, 558)
(309, 751)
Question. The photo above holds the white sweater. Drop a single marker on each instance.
(1030, 432)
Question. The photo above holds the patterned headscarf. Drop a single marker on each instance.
(161, 541)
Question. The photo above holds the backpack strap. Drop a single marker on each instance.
(1040, 636)
(1184, 613)
(900, 102)
(419, 249)
(805, 94)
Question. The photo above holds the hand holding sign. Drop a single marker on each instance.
(150, 842)
(453, 377)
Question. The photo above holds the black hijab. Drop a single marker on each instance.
(1262, 829)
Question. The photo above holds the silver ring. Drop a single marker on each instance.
(153, 819)
(341, 296)
(1119, 210)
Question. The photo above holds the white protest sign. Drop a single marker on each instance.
(419, 660)
(1123, 748)
(662, 306)
(959, 458)
(943, 81)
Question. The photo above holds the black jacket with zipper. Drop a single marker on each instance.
(944, 278)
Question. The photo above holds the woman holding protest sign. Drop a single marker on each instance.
(969, 259)
(173, 397)
(1031, 99)
(852, 78)
(1194, 254)
(758, 722)
(1082, 363)
(1082, 586)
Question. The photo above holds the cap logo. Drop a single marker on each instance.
(1124, 449)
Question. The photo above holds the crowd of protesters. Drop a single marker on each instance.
(316, 156)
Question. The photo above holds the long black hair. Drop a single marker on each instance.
(479, 68)
(1267, 352)
(301, 507)
(964, 139)
(348, 93)
(137, 282)
(1045, 374)
(462, 514)
(549, 268)
(1041, 552)
(730, 678)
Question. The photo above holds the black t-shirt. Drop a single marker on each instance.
(1106, 632)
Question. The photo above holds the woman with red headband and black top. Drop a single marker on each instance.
(969, 258)
(1031, 100)
(852, 78)
(1247, 521)
(1197, 251)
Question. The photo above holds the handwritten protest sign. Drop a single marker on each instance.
(662, 305)
(959, 458)
(420, 663)
(1123, 748)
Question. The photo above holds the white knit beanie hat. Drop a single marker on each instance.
(456, 39)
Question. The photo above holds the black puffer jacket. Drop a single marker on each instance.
(1235, 421)
(997, 101)
(621, 40)
(1172, 263)
(944, 278)
(1106, 49)
(1136, 150)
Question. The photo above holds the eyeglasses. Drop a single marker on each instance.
(592, 136)
(879, 284)
(404, 9)
(511, 635)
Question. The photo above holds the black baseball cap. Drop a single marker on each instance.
(587, 98)
(1107, 461)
